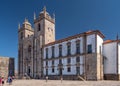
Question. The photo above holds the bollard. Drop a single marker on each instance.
(46, 79)
(61, 79)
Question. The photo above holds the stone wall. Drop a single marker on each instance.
(93, 67)
(111, 77)
(6, 66)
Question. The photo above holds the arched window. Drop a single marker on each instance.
(69, 60)
(77, 46)
(60, 61)
(21, 35)
(60, 50)
(39, 27)
(52, 62)
(69, 48)
(29, 49)
(46, 53)
(77, 59)
(53, 51)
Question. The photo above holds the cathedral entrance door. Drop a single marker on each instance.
(29, 71)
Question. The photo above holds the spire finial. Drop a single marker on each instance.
(54, 15)
(18, 25)
(44, 9)
(34, 16)
(26, 20)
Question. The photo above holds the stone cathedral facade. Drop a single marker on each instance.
(82, 56)
(31, 42)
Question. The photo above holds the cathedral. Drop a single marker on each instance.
(82, 56)
(31, 43)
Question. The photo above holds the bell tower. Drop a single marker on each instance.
(45, 27)
(44, 33)
(24, 32)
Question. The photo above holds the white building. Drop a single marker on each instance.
(111, 53)
(76, 55)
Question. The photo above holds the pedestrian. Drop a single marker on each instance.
(2, 81)
(10, 80)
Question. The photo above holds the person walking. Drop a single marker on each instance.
(2, 81)
(10, 80)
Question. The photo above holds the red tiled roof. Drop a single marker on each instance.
(77, 35)
(110, 41)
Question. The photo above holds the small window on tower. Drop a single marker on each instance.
(21, 35)
(39, 27)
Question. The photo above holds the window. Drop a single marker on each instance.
(77, 59)
(53, 70)
(68, 60)
(29, 52)
(78, 70)
(60, 61)
(89, 48)
(29, 49)
(46, 72)
(52, 62)
(21, 36)
(39, 27)
(46, 63)
(60, 50)
(46, 53)
(53, 50)
(77, 47)
(69, 69)
(69, 48)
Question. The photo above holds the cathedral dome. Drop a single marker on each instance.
(26, 22)
(44, 12)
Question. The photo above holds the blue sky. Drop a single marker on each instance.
(72, 17)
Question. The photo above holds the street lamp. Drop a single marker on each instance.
(60, 69)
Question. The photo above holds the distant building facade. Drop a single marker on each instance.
(79, 56)
(6, 66)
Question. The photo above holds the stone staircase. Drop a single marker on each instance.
(81, 78)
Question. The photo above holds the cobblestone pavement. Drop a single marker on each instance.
(63, 83)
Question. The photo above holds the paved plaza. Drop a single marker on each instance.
(63, 83)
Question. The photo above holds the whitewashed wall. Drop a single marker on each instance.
(91, 40)
(64, 48)
(109, 52)
(64, 62)
(118, 58)
(99, 43)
